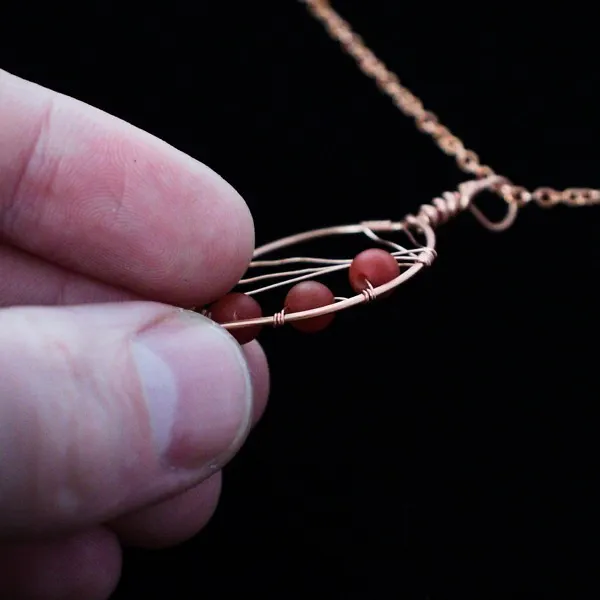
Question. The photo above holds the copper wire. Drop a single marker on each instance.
(429, 216)
(427, 256)
(404, 256)
(303, 274)
(279, 318)
(311, 275)
(413, 226)
(369, 292)
(414, 259)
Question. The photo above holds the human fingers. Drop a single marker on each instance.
(98, 196)
(177, 519)
(259, 373)
(84, 565)
(106, 408)
(28, 280)
(172, 521)
(87, 564)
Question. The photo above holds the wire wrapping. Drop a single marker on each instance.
(440, 210)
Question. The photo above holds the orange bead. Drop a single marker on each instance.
(305, 296)
(237, 307)
(374, 266)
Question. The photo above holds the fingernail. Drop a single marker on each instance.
(197, 389)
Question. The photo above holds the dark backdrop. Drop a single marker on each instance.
(441, 443)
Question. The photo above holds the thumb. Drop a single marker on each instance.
(105, 408)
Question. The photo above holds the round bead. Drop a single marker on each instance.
(305, 296)
(374, 266)
(237, 307)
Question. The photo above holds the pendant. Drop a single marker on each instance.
(310, 305)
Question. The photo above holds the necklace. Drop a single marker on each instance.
(310, 305)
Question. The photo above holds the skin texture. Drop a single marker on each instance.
(104, 232)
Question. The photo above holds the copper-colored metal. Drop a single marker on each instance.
(422, 256)
(427, 122)
(427, 218)
(422, 225)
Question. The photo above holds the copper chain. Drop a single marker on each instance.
(427, 122)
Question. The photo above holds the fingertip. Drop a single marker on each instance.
(171, 521)
(159, 400)
(150, 218)
(227, 248)
(85, 565)
(259, 373)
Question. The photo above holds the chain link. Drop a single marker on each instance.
(428, 123)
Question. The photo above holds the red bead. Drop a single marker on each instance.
(305, 296)
(374, 266)
(237, 307)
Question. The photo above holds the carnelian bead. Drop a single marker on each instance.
(237, 307)
(374, 266)
(305, 296)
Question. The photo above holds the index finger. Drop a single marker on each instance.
(96, 195)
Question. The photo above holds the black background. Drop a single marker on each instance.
(438, 444)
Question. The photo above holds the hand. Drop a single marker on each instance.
(117, 410)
